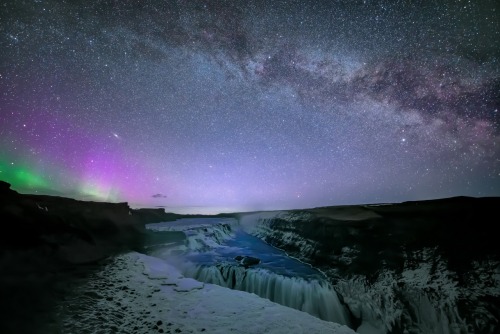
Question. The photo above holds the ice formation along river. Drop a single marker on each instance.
(207, 253)
(135, 294)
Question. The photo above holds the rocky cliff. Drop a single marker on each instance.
(49, 243)
(414, 267)
(70, 230)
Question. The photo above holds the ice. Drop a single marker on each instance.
(157, 269)
(188, 284)
(311, 296)
(132, 298)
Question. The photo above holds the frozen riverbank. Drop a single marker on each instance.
(136, 293)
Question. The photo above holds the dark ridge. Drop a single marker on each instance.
(50, 243)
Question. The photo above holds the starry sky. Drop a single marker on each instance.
(212, 106)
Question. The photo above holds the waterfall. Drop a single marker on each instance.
(311, 296)
(196, 238)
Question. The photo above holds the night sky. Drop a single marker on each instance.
(208, 106)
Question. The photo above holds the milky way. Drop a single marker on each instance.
(207, 106)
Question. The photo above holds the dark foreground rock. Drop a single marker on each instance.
(415, 267)
(247, 261)
(71, 231)
(49, 243)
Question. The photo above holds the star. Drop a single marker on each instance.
(228, 104)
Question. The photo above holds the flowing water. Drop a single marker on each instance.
(208, 254)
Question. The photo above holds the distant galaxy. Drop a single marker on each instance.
(210, 106)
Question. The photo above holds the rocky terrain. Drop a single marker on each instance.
(49, 242)
(414, 267)
(68, 266)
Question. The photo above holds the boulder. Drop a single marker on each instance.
(247, 261)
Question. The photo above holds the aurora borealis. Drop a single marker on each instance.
(208, 106)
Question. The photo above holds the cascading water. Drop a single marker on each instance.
(208, 256)
(312, 296)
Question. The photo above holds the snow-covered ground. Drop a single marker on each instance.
(136, 293)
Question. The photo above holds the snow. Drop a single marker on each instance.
(422, 298)
(136, 293)
(188, 284)
(158, 269)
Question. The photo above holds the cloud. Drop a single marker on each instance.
(159, 196)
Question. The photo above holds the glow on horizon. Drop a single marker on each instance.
(99, 190)
(22, 177)
(285, 105)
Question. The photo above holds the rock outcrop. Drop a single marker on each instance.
(247, 261)
(422, 267)
(48, 243)
(71, 231)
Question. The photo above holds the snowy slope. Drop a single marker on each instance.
(136, 293)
